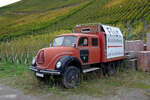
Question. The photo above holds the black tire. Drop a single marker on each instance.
(111, 69)
(71, 77)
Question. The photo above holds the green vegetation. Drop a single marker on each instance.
(22, 50)
(37, 17)
(93, 84)
(31, 22)
(128, 15)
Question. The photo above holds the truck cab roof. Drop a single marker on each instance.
(79, 34)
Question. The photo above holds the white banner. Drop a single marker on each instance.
(115, 42)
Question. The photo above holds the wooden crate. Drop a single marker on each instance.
(135, 45)
(143, 60)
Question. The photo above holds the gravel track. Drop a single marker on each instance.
(7, 93)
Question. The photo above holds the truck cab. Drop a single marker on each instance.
(73, 54)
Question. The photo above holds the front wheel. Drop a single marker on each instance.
(71, 77)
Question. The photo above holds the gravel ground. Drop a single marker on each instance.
(7, 93)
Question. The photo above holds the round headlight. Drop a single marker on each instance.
(58, 65)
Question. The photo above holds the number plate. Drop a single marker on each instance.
(39, 74)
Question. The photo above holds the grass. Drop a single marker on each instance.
(101, 86)
(19, 76)
(93, 84)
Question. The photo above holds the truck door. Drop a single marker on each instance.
(95, 50)
(84, 49)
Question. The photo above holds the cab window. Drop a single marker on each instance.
(94, 42)
(64, 41)
(83, 41)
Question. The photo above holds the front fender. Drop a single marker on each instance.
(66, 61)
(54, 59)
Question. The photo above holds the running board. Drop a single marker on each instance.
(90, 69)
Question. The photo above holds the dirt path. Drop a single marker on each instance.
(120, 94)
(7, 93)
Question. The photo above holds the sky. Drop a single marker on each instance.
(7, 2)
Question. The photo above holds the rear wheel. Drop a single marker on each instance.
(71, 77)
(111, 69)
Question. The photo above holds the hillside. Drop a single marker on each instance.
(37, 17)
(28, 15)
(132, 16)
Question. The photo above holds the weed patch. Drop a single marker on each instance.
(92, 84)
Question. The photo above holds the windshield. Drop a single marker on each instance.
(64, 41)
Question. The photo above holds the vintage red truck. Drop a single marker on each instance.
(89, 48)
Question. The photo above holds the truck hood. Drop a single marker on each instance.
(53, 53)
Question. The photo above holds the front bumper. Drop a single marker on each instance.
(46, 72)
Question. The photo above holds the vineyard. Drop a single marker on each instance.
(30, 25)
(129, 15)
(21, 51)
(28, 17)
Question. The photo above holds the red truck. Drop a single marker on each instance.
(89, 48)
